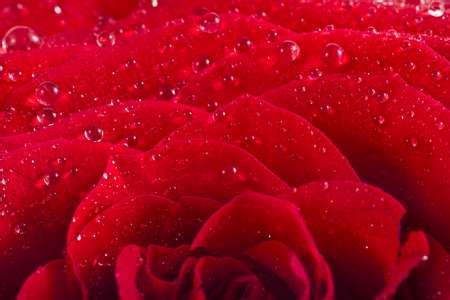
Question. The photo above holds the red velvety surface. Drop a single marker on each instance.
(191, 149)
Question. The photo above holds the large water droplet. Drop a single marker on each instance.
(20, 38)
(105, 39)
(210, 22)
(93, 134)
(47, 93)
(46, 116)
(436, 9)
(290, 50)
(334, 55)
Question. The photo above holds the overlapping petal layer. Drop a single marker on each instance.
(192, 149)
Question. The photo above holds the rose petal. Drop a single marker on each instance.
(285, 143)
(52, 281)
(432, 279)
(269, 66)
(143, 220)
(231, 232)
(313, 15)
(367, 243)
(208, 169)
(284, 264)
(164, 59)
(135, 124)
(41, 187)
(394, 136)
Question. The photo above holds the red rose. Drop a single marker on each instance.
(193, 149)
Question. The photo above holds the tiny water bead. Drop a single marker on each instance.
(105, 39)
(201, 64)
(51, 178)
(436, 9)
(412, 141)
(289, 50)
(244, 44)
(210, 22)
(334, 55)
(166, 92)
(93, 134)
(20, 38)
(315, 74)
(47, 93)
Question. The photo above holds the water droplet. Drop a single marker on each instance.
(440, 125)
(244, 44)
(20, 38)
(272, 36)
(105, 39)
(334, 55)
(20, 228)
(79, 237)
(46, 116)
(201, 64)
(436, 9)
(290, 50)
(57, 9)
(437, 75)
(15, 76)
(412, 141)
(411, 66)
(47, 93)
(167, 92)
(379, 120)
(382, 97)
(219, 115)
(210, 22)
(50, 178)
(131, 141)
(315, 74)
(93, 134)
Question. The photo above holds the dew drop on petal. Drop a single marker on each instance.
(105, 39)
(50, 178)
(412, 141)
(411, 66)
(380, 120)
(46, 116)
(20, 228)
(244, 44)
(437, 75)
(289, 50)
(47, 93)
(315, 74)
(440, 125)
(167, 92)
(210, 22)
(201, 64)
(20, 38)
(334, 55)
(93, 134)
(436, 9)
